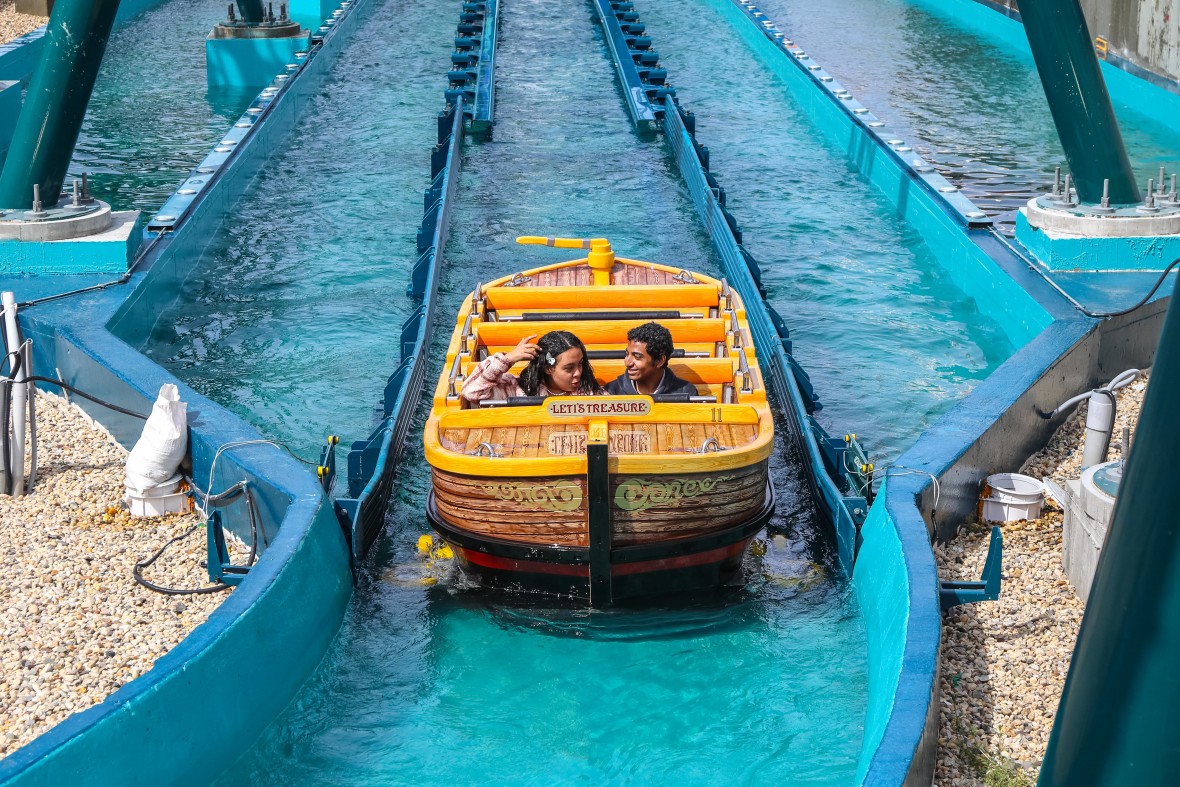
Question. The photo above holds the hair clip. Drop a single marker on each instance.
(550, 360)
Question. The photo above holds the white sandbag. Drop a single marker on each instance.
(162, 445)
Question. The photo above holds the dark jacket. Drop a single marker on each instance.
(671, 384)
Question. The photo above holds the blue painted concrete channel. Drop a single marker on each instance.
(224, 683)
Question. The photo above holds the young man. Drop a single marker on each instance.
(649, 347)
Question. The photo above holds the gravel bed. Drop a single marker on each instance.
(75, 626)
(1004, 662)
(14, 25)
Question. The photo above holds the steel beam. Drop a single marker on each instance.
(1072, 79)
(59, 92)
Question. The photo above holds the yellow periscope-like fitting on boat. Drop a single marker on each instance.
(601, 258)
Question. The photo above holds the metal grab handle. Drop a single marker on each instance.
(711, 443)
(479, 449)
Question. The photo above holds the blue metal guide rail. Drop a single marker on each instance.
(637, 64)
(371, 462)
(473, 63)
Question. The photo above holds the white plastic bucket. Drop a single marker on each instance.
(1013, 496)
(160, 499)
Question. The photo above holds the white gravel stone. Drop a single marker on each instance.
(74, 625)
(1004, 662)
(14, 25)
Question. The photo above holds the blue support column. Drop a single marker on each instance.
(9, 111)
(59, 92)
(1068, 66)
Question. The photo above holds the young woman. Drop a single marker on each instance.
(558, 366)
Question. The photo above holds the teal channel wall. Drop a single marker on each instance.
(204, 702)
(895, 576)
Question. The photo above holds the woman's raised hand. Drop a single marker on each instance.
(526, 350)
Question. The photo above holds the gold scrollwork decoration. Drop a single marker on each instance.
(560, 496)
(639, 494)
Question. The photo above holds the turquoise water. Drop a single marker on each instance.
(292, 321)
(293, 318)
(974, 109)
(436, 684)
(150, 118)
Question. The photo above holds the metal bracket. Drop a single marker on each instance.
(952, 593)
(217, 558)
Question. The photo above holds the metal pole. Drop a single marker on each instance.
(252, 11)
(59, 91)
(1117, 721)
(1069, 70)
(19, 395)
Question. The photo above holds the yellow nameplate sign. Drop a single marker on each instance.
(596, 407)
(572, 443)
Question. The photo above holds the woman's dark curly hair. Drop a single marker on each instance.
(552, 345)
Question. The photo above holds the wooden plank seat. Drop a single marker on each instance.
(626, 273)
(599, 352)
(534, 440)
(635, 296)
(698, 371)
(605, 332)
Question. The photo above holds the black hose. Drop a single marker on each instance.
(221, 498)
(136, 572)
(5, 467)
(32, 479)
(1144, 300)
(84, 395)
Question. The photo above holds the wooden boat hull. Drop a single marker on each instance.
(604, 497)
(700, 561)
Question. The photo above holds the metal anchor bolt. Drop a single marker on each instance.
(1104, 207)
(1161, 181)
(37, 207)
(1067, 200)
(1057, 182)
(1148, 205)
(231, 16)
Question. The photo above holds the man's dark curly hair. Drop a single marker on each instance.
(657, 338)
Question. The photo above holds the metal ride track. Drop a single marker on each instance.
(838, 473)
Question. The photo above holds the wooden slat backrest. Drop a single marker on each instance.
(608, 332)
(635, 297)
(698, 371)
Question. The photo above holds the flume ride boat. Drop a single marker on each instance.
(605, 497)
